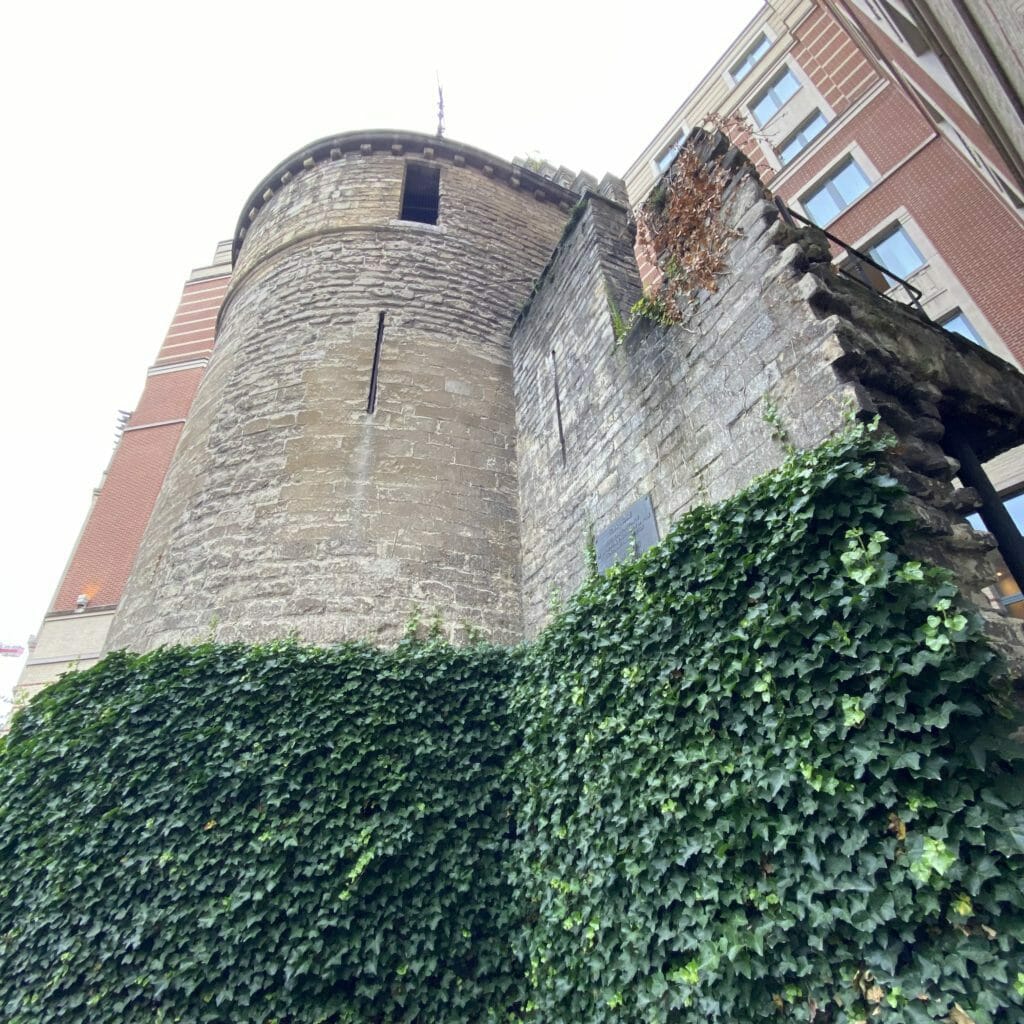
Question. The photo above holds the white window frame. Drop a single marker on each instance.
(793, 113)
(951, 294)
(748, 52)
(672, 148)
(851, 152)
(771, 80)
(890, 229)
(771, 35)
(797, 133)
(952, 314)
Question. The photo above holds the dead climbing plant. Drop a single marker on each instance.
(680, 229)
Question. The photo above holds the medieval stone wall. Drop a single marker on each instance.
(289, 507)
(473, 488)
(675, 413)
(783, 353)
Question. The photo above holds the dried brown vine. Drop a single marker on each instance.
(680, 229)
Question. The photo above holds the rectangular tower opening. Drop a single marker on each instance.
(421, 193)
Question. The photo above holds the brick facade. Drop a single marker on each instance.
(839, 69)
(896, 111)
(106, 549)
(73, 633)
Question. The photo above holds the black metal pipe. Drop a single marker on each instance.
(858, 265)
(787, 213)
(993, 513)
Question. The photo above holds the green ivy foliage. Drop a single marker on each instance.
(749, 776)
(261, 834)
(756, 775)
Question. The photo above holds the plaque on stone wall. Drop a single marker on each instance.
(629, 535)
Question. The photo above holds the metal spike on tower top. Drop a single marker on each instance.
(440, 109)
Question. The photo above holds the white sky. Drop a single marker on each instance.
(133, 133)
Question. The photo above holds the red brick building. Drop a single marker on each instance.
(75, 626)
(858, 119)
(863, 132)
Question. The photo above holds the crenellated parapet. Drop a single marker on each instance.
(560, 187)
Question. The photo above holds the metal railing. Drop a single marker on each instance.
(857, 261)
(993, 513)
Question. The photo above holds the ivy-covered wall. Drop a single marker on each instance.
(756, 774)
(752, 323)
(673, 413)
(757, 780)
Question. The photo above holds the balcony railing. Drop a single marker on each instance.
(854, 267)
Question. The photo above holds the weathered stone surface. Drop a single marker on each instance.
(926, 383)
(683, 413)
(288, 506)
(473, 488)
(678, 413)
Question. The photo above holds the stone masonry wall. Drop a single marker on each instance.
(288, 507)
(676, 413)
(782, 353)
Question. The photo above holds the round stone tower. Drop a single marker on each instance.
(350, 455)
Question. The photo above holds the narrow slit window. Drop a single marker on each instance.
(558, 404)
(371, 399)
(421, 193)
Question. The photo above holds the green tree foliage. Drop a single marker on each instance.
(749, 776)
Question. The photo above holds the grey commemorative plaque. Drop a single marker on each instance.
(615, 543)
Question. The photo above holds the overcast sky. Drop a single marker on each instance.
(133, 134)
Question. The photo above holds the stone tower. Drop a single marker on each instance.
(350, 456)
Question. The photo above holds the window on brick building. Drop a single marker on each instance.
(664, 161)
(958, 323)
(782, 88)
(802, 137)
(844, 184)
(421, 193)
(750, 59)
(896, 252)
(1005, 589)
